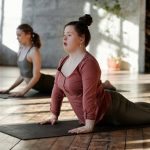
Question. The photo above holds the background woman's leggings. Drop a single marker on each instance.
(124, 112)
(45, 84)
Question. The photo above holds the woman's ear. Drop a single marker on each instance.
(82, 42)
(82, 39)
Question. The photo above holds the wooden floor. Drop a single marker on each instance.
(133, 86)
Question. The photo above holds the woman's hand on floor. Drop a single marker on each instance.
(4, 91)
(83, 129)
(87, 128)
(17, 94)
(53, 119)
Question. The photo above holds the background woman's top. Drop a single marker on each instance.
(84, 90)
(26, 67)
(45, 83)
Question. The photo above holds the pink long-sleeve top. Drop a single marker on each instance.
(84, 90)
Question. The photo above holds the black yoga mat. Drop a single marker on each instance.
(4, 96)
(37, 131)
(31, 93)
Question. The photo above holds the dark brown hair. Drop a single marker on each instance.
(34, 36)
(81, 27)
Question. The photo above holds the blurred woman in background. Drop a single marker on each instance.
(29, 63)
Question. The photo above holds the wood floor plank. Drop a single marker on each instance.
(81, 142)
(146, 138)
(7, 142)
(100, 141)
(108, 140)
(11, 119)
(63, 143)
(134, 139)
(40, 144)
(117, 140)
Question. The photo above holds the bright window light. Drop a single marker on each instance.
(12, 18)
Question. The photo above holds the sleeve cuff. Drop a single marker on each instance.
(89, 116)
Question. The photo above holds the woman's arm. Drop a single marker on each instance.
(56, 98)
(18, 81)
(55, 104)
(90, 73)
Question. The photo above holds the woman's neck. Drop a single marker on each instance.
(27, 45)
(77, 53)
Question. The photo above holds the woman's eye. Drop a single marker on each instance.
(64, 36)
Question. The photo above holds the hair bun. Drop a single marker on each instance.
(87, 19)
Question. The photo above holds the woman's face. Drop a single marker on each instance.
(22, 37)
(71, 39)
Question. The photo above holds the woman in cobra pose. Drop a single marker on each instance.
(78, 77)
(29, 63)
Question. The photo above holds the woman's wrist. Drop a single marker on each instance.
(8, 90)
(90, 124)
(24, 91)
(54, 116)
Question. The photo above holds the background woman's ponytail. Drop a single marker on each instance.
(36, 40)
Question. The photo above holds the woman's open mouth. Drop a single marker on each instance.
(65, 44)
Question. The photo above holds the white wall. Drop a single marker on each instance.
(112, 34)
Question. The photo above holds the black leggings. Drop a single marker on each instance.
(45, 84)
(124, 112)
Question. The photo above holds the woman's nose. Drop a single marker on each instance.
(65, 38)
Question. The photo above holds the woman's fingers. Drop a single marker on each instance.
(53, 121)
(76, 130)
(73, 131)
(49, 121)
(13, 95)
(16, 94)
(46, 122)
(83, 129)
(4, 92)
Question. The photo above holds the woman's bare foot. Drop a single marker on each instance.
(109, 86)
